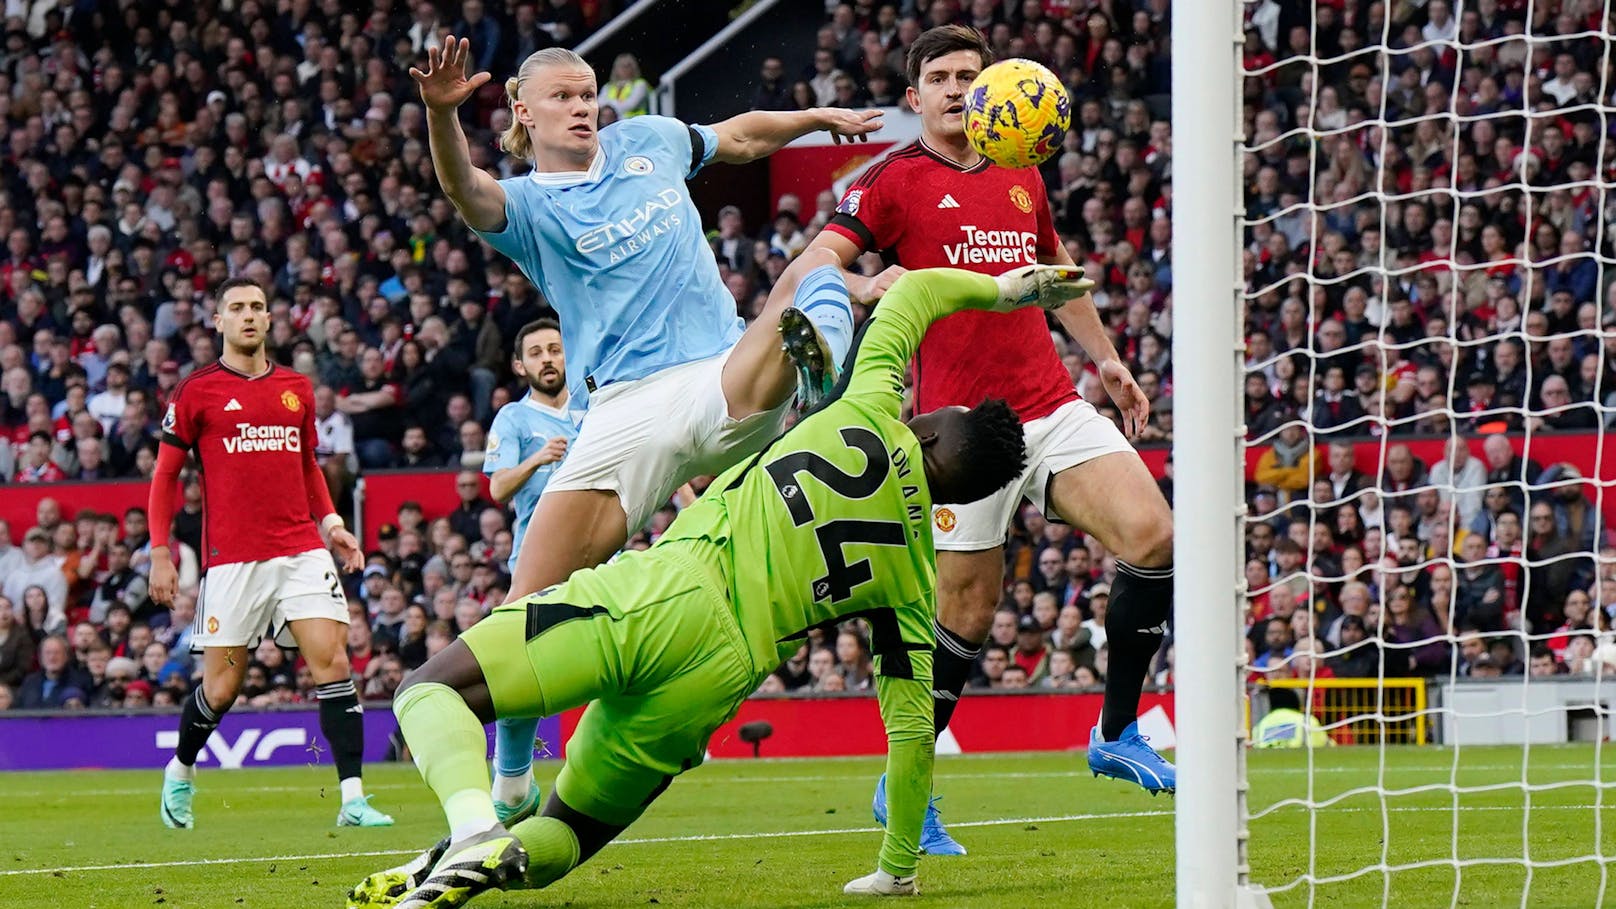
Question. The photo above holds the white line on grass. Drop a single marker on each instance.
(711, 837)
(699, 779)
(697, 838)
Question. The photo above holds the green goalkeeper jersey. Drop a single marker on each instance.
(832, 521)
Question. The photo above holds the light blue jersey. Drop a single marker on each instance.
(520, 429)
(619, 251)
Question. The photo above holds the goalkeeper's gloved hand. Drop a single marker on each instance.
(1046, 286)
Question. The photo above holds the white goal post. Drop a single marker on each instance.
(1472, 172)
(1208, 443)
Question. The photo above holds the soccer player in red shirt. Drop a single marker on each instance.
(251, 425)
(938, 202)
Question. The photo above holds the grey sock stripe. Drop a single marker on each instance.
(1148, 573)
(334, 690)
(952, 642)
(202, 705)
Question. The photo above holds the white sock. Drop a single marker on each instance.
(469, 813)
(512, 789)
(352, 788)
(178, 771)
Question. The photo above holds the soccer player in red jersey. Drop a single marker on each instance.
(251, 426)
(938, 202)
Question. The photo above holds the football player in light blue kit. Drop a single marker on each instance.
(530, 436)
(675, 385)
(526, 444)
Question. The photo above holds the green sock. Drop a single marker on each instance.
(552, 849)
(450, 750)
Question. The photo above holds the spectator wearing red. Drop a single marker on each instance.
(35, 464)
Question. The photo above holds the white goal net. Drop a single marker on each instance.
(1429, 374)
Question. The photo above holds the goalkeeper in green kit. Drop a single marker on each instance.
(830, 522)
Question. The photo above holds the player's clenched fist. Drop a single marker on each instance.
(554, 450)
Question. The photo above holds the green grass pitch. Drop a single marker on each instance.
(789, 833)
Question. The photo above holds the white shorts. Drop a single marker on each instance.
(241, 602)
(646, 438)
(1074, 434)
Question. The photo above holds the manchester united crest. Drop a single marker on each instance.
(944, 519)
(1021, 199)
(290, 402)
(213, 624)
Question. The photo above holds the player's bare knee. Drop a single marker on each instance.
(329, 667)
(967, 608)
(1149, 542)
(220, 691)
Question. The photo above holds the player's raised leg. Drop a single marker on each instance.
(1115, 498)
(223, 669)
(324, 642)
(768, 363)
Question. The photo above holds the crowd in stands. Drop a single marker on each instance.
(150, 154)
(1425, 256)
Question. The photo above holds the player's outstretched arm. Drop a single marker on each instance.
(445, 85)
(760, 133)
(921, 297)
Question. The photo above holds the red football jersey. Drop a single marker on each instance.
(920, 210)
(249, 435)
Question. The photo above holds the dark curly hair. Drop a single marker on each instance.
(993, 451)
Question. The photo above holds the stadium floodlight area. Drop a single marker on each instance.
(1478, 127)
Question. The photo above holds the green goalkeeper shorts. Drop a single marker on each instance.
(650, 644)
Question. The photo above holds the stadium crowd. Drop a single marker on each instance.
(150, 154)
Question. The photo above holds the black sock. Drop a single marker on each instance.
(951, 667)
(197, 722)
(1141, 604)
(342, 721)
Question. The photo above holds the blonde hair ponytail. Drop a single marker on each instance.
(515, 140)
